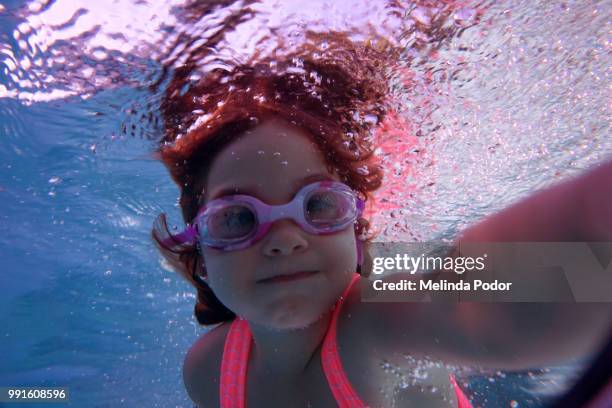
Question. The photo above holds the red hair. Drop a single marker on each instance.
(338, 101)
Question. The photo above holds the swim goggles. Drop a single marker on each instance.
(238, 221)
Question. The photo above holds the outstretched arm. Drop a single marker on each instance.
(512, 335)
(576, 210)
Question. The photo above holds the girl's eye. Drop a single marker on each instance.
(232, 222)
(323, 206)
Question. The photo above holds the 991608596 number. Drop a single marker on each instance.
(33, 394)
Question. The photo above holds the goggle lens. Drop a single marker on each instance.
(232, 222)
(324, 208)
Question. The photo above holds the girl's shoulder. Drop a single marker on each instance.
(383, 326)
(353, 314)
(202, 366)
(354, 323)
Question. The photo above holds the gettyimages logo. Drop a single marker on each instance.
(413, 264)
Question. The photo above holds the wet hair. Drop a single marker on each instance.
(337, 102)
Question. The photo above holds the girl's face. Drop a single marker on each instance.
(272, 163)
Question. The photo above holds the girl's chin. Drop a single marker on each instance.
(289, 321)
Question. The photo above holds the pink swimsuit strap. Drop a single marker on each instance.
(236, 355)
(343, 391)
(236, 351)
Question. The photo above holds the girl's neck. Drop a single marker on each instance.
(286, 354)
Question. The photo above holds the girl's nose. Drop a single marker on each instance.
(284, 238)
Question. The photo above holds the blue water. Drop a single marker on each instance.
(85, 302)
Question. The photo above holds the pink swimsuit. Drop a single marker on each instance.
(236, 356)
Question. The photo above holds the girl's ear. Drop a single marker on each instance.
(364, 264)
(200, 272)
(359, 251)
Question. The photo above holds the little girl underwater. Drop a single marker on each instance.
(269, 158)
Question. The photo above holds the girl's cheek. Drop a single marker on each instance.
(341, 251)
(228, 271)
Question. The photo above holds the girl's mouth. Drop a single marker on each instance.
(289, 277)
